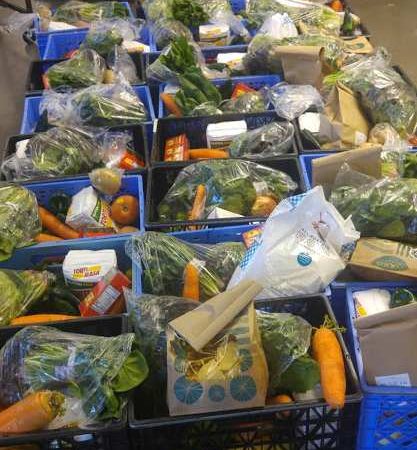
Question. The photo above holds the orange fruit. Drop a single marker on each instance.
(280, 400)
(125, 210)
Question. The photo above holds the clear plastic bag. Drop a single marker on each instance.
(384, 94)
(383, 208)
(164, 260)
(301, 249)
(285, 338)
(122, 65)
(19, 218)
(166, 30)
(249, 102)
(272, 139)
(233, 185)
(81, 13)
(21, 289)
(104, 35)
(84, 69)
(292, 100)
(91, 371)
(103, 105)
(157, 9)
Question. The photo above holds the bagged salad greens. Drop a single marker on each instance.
(166, 30)
(237, 186)
(384, 208)
(76, 12)
(92, 372)
(272, 139)
(19, 218)
(249, 102)
(164, 260)
(84, 69)
(102, 105)
(21, 289)
(384, 94)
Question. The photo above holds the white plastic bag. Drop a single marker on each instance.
(300, 249)
(279, 26)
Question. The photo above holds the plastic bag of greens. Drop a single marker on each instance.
(272, 139)
(166, 261)
(166, 30)
(81, 13)
(53, 153)
(91, 371)
(240, 187)
(104, 35)
(157, 9)
(249, 102)
(20, 290)
(122, 65)
(150, 315)
(285, 338)
(383, 208)
(84, 69)
(102, 105)
(292, 100)
(384, 94)
(19, 218)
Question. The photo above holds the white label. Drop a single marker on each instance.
(402, 380)
(105, 300)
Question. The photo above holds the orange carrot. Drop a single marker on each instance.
(207, 153)
(280, 400)
(39, 318)
(336, 5)
(43, 237)
(170, 104)
(55, 226)
(191, 287)
(34, 412)
(198, 204)
(328, 353)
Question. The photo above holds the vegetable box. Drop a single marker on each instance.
(195, 129)
(388, 414)
(255, 82)
(309, 424)
(161, 178)
(41, 37)
(31, 114)
(103, 326)
(131, 185)
(140, 144)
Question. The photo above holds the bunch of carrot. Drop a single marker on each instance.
(57, 230)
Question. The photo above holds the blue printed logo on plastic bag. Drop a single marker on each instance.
(243, 388)
(217, 393)
(187, 391)
(304, 259)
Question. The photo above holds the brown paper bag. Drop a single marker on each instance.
(388, 345)
(365, 160)
(382, 260)
(345, 114)
(359, 45)
(302, 64)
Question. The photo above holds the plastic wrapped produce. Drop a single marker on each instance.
(272, 139)
(285, 338)
(165, 261)
(20, 290)
(84, 69)
(166, 30)
(91, 371)
(383, 208)
(122, 65)
(19, 218)
(249, 102)
(233, 185)
(79, 13)
(103, 105)
(384, 94)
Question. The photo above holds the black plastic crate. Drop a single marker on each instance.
(99, 326)
(195, 129)
(139, 139)
(34, 83)
(161, 178)
(303, 425)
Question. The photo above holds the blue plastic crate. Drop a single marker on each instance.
(238, 5)
(306, 167)
(31, 113)
(41, 37)
(389, 414)
(132, 184)
(58, 44)
(255, 82)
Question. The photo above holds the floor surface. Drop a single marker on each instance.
(391, 23)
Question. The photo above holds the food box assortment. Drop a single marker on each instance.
(172, 282)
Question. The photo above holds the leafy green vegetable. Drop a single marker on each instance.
(103, 41)
(410, 165)
(285, 338)
(189, 12)
(19, 218)
(87, 368)
(77, 11)
(302, 375)
(180, 56)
